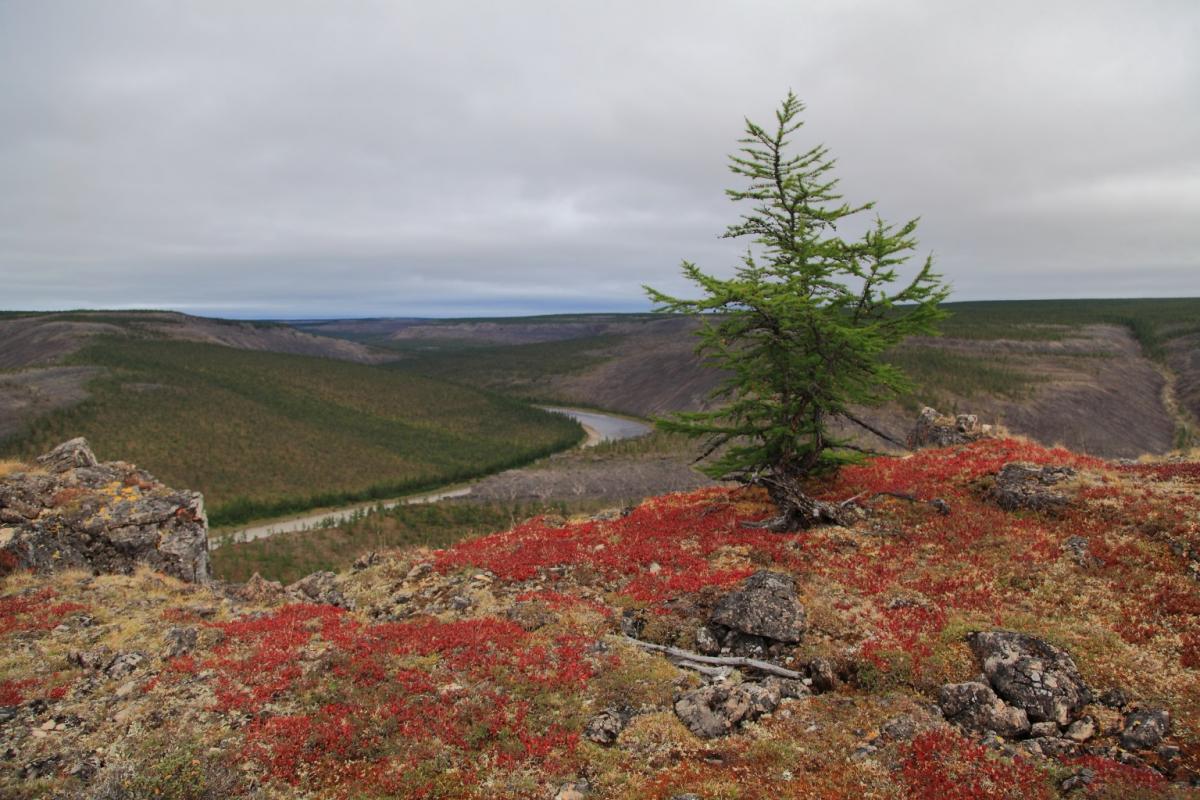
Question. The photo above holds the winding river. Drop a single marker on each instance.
(600, 428)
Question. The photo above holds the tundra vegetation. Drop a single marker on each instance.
(501, 666)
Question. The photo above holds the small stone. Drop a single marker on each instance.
(1114, 698)
(863, 752)
(48, 725)
(899, 728)
(706, 642)
(460, 602)
(1081, 730)
(605, 727)
(573, 791)
(1145, 728)
(1042, 729)
(1079, 780)
(715, 710)
(820, 671)
(125, 689)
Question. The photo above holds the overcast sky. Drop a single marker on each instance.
(354, 158)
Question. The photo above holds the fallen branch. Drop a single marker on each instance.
(675, 653)
(938, 503)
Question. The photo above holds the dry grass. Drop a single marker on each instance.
(9, 467)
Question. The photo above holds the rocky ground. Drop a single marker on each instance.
(1000, 620)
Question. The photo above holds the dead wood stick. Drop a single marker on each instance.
(722, 661)
(938, 503)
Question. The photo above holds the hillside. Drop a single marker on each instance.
(1041, 639)
(264, 433)
(1088, 374)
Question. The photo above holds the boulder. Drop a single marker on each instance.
(932, 429)
(1028, 486)
(259, 590)
(108, 517)
(764, 605)
(1031, 674)
(976, 708)
(1145, 728)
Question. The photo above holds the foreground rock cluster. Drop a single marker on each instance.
(1026, 650)
(71, 511)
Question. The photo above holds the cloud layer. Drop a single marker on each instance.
(368, 158)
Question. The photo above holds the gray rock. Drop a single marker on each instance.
(932, 429)
(1081, 730)
(180, 641)
(976, 708)
(1080, 780)
(715, 710)
(107, 517)
(764, 697)
(1079, 550)
(320, 587)
(1114, 698)
(69, 455)
(764, 605)
(1032, 675)
(1145, 728)
(124, 664)
(899, 729)
(820, 671)
(605, 727)
(1027, 486)
(706, 641)
(1042, 729)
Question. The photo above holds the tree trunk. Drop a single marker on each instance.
(796, 509)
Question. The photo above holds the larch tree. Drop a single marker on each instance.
(801, 327)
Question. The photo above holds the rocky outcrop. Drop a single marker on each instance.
(936, 430)
(73, 511)
(1028, 486)
(762, 613)
(1032, 675)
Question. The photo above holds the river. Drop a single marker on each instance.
(600, 428)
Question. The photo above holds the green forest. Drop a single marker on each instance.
(264, 434)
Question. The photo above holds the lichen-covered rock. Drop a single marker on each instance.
(714, 711)
(605, 727)
(110, 517)
(1028, 486)
(1145, 728)
(976, 708)
(319, 587)
(259, 590)
(1032, 675)
(764, 605)
(935, 430)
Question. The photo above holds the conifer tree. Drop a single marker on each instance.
(801, 327)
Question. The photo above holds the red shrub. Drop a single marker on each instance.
(944, 764)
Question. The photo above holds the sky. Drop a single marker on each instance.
(248, 158)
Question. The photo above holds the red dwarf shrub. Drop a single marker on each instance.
(944, 764)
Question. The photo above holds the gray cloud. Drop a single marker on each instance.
(310, 158)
